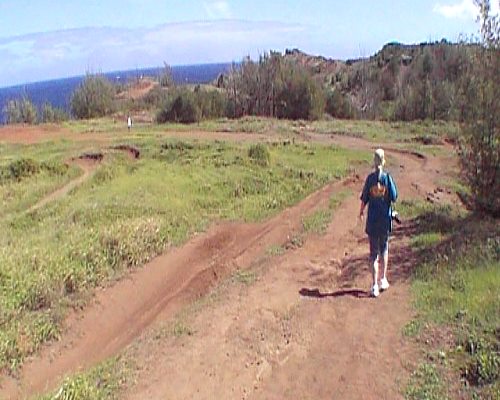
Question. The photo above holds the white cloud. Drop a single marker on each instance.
(464, 9)
(51, 55)
(217, 9)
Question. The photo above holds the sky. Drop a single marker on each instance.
(50, 39)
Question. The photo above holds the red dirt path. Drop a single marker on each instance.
(304, 329)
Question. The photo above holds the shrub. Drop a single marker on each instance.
(93, 98)
(182, 109)
(338, 105)
(53, 114)
(480, 116)
(21, 111)
(300, 97)
(260, 154)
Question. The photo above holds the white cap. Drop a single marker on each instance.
(379, 158)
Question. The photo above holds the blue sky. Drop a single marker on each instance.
(47, 39)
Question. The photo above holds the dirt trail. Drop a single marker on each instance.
(87, 166)
(305, 329)
(162, 287)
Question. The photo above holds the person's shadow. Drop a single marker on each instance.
(360, 294)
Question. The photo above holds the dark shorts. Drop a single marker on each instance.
(379, 245)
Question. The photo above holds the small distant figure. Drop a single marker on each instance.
(129, 122)
(379, 192)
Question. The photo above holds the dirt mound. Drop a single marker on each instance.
(132, 150)
(94, 156)
(137, 89)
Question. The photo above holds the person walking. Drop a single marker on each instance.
(129, 122)
(379, 192)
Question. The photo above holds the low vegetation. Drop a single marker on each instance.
(456, 293)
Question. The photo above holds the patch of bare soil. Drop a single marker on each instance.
(305, 329)
(138, 89)
(30, 134)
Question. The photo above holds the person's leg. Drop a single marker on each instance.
(384, 255)
(374, 247)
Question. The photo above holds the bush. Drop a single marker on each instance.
(479, 143)
(260, 154)
(19, 169)
(212, 104)
(21, 111)
(93, 98)
(182, 109)
(53, 114)
(301, 97)
(338, 105)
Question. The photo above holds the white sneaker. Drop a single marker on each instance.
(384, 284)
(375, 291)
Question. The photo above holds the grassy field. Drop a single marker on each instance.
(420, 132)
(131, 210)
(128, 212)
(456, 292)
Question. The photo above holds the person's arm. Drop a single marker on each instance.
(364, 199)
(362, 209)
(393, 190)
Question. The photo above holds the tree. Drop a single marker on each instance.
(166, 77)
(479, 145)
(93, 98)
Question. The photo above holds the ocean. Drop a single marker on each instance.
(58, 92)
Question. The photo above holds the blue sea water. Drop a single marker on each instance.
(58, 92)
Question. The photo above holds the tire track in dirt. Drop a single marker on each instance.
(157, 291)
(306, 329)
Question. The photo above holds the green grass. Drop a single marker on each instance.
(130, 211)
(337, 199)
(317, 222)
(416, 133)
(275, 250)
(426, 384)
(246, 277)
(456, 287)
(102, 382)
(180, 329)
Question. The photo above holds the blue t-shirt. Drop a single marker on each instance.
(379, 192)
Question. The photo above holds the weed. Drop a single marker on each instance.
(245, 276)
(412, 328)
(275, 250)
(317, 222)
(425, 384)
(100, 383)
(337, 199)
(260, 154)
(180, 329)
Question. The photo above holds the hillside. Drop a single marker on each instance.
(400, 82)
